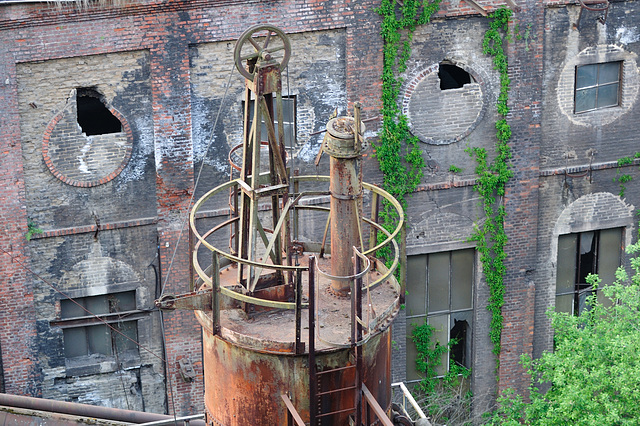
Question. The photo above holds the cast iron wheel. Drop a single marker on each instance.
(261, 41)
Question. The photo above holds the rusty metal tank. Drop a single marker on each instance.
(252, 362)
(296, 327)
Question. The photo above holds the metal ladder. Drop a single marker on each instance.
(322, 386)
(320, 382)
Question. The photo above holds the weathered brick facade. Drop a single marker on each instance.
(114, 205)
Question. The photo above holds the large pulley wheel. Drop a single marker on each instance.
(261, 41)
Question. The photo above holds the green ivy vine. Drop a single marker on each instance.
(398, 151)
(492, 178)
(441, 391)
(624, 177)
(429, 358)
(32, 229)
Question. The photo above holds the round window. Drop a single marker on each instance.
(88, 143)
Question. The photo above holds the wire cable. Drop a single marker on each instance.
(100, 319)
(195, 186)
(170, 384)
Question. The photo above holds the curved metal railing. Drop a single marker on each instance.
(369, 321)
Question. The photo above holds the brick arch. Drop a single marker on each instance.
(600, 210)
(61, 144)
(95, 275)
(423, 99)
(594, 211)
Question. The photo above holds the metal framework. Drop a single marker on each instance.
(274, 270)
(256, 59)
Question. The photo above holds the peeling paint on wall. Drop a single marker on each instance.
(627, 35)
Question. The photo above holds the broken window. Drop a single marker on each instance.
(288, 120)
(84, 335)
(440, 292)
(452, 77)
(93, 115)
(581, 254)
(597, 86)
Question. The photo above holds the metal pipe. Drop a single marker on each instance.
(406, 394)
(342, 143)
(375, 211)
(215, 294)
(83, 410)
(298, 283)
(188, 420)
(403, 262)
(377, 410)
(357, 296)
(313, 378)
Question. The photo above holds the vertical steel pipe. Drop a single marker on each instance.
(345, 185)
(357, 296)
(313, 378)
(215, 293)
(298, 295)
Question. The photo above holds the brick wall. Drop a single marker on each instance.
(17, 323)
(521, 198)
(50, 86)
(163, 66)
(451, 127)
(579, 152)
(442, 116)
(83, 264)
(81, 160)
(138, 57)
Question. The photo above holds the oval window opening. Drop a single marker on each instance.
(93, 115)
(452, 77)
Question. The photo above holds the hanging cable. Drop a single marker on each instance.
(168, 369)
(161, 359)
(195, 186)
(97, 317)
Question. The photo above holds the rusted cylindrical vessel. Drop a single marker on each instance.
(259, 366)
(251, 360)
(346, 197)
(243, 384)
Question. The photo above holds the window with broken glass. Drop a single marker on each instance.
(440, 292)
(597, 86)
(288, 120)
(581, 254)
(85, 335)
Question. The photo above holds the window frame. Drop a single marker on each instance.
(597, 86)
(87, 321)
(291, 137)
(581, 290)
(450, 312)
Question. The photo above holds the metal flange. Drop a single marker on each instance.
(340, 139)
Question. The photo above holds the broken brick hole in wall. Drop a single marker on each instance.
(93, 115)
(452, 77)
